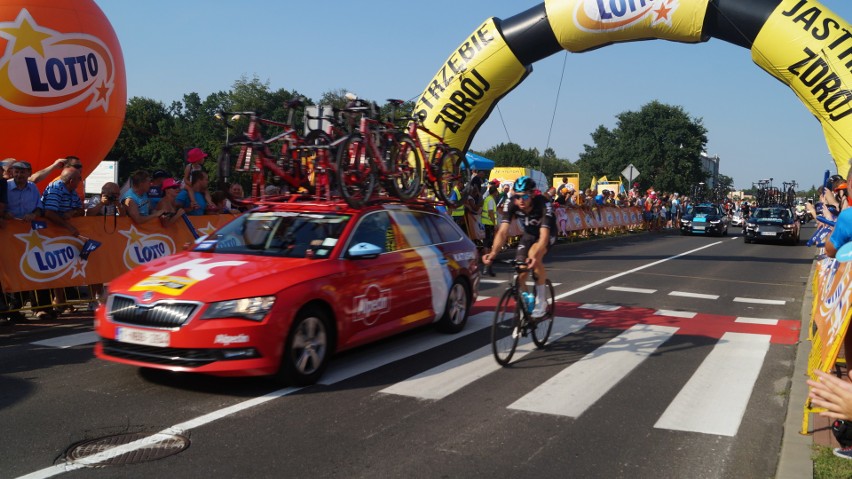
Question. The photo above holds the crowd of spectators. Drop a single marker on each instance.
(146, 196)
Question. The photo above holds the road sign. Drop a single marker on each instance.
(631, 173)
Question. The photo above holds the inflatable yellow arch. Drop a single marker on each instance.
(799, 42)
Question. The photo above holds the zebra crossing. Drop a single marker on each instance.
(720, 387)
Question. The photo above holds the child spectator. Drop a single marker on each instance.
(194, 159)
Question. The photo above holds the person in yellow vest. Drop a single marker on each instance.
(458, 212)
(489, 219)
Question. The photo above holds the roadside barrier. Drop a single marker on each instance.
(830, 315)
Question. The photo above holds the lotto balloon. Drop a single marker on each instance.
(62, 82)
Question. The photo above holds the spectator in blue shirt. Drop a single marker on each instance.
(136, 199)
(60, 199)
(198, 185)
(23, 195)
(156, 191)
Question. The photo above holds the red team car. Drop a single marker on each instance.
(279, 289)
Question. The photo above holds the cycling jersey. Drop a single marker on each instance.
(540, 216)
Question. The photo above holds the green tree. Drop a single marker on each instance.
(661, 141)
(511, 154)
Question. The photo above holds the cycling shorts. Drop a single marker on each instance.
(526, 242)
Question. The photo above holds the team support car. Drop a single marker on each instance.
(281, 288)
(775, 223)
(705, 219)
(737, 218)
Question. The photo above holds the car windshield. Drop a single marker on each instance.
(774, 214)
(287, 234)
(704, 210)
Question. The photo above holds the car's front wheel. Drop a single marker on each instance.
(307, 350)
(456, 309)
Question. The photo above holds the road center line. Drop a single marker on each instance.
(640, 268)
(685, 294)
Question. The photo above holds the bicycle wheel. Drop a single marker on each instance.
(355, 171)
(324, 180)
(506, 328)
(542, 328)
(406, 166)
(451, 169)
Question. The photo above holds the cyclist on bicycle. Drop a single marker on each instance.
(538, 222)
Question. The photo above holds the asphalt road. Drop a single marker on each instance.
(674, 360)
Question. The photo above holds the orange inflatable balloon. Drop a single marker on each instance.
(63, 89)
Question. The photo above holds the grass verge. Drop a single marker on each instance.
(829, 466)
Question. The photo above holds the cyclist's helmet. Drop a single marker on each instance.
(524, 183)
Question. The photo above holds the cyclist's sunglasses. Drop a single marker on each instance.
(524, 196)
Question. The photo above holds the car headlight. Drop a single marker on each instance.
(788, 227)
(686, 222)
(716, 222)
(254, 309)
(751, 226)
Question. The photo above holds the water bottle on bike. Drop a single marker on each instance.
(529, 301)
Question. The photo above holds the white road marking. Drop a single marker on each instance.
(625, 273)
(493, 281)
(675, 314)
(600, 307)
(769, 322)
(395, 350)
(778, 302)
(578, 386)
(69, 341)
(714, 399)
(632, 290)
(443, 380)
(685, 294)
(373, 358)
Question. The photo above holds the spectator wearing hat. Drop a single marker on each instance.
(194, 159)
(167, 209)
(24, 199)
(7, 167)
(155, 192)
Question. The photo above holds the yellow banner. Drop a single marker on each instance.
(50, 257)
(806, 46)
(581, 25)
(507, 174)
(460, 96)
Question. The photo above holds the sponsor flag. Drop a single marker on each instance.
(88, 247)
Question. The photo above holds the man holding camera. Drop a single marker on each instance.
(109, 204)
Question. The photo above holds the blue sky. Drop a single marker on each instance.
(389, 49)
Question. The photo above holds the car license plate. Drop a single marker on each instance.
(698, 228)
(159, 339)
(767, 233)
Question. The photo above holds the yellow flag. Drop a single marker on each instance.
(594, 185)
(603, 179)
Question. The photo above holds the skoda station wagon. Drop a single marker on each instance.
(281, 288)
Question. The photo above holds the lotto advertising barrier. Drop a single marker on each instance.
(39, 258)
(576, 219)
(799, 42)
(830, 317)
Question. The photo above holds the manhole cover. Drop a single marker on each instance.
(125, 449)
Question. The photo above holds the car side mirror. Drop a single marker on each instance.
(364, 251)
